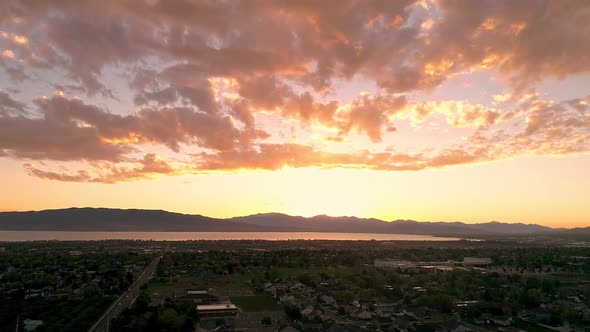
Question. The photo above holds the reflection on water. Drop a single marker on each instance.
(183, 236)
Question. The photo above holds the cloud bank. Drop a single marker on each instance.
(238, 85)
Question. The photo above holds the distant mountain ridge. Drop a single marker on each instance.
(324, 223)
(104, 219)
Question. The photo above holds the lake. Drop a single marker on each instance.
(17, 236)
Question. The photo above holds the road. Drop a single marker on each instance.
(126, 299)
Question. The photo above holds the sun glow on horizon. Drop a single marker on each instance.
(471, 193)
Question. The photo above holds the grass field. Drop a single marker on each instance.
(255, 303)
(288, 272)
(229, 283)
(163, 288)
(225, 285)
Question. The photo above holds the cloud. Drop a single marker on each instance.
(204, 76)
(312, 43)
(46, 138)
(370, 114)
(80, 176)
(458, 114)
(264, 157)
(278, 156)
(145, 168)
(65, 129)
(69, 129)
(549, 128)
(367, 114)
(10, 106)
(526, 41)
(569, 116)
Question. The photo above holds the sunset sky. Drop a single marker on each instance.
(429, 110)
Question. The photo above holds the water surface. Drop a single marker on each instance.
(183, 236)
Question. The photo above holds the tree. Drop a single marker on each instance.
(11, 276)
(170, 319)
(91, 290)
(568, 314)
(341, 311)
(306, 279)
(292, 311)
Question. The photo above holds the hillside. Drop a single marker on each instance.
(102, 219)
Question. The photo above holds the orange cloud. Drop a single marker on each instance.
(147, 167)
(458, 114)
(203, 75)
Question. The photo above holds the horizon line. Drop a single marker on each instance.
(289, 215)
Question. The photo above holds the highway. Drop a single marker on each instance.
(126, 299)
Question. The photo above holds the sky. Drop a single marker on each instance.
(428, 110)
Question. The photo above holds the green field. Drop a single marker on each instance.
(291, 272)
(253, 303)
(162, 288)
(231, 283)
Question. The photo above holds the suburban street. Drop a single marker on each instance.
(125, 300)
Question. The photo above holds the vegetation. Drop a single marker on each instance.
(255, 303)
(69, 285)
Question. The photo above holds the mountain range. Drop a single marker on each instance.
(103, 219)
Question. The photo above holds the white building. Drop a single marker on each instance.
(31, 324)
(390, 263)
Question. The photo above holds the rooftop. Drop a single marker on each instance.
(207, 307)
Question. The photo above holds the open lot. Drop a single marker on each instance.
(254, 303)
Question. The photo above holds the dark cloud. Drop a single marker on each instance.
(54, 139)
(68, 129)
(311, 42)
(170, 126)
(9, 106)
